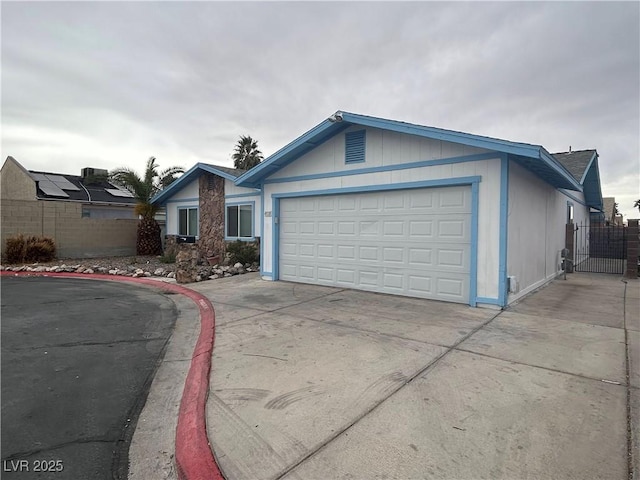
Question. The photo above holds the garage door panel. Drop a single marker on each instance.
(408, 242)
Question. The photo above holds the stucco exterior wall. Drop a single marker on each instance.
(75, 237)
(393, 158)
(536, 229)
(186, 197)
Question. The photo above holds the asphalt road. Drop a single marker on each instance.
(78, 358)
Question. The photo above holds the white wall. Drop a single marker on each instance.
(235, 195)
(186, 197)
(385, 148)
(536, 229)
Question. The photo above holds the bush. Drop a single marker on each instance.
(14, 250)
(243, 252)
(30, 249)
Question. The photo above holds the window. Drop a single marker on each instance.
(569, 212)
(354, 143)
(240, 221)
(188, 221)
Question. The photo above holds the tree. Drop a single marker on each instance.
(246, 154)
(637, 204)
(144, 189)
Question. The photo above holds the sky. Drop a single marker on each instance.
(109, 84)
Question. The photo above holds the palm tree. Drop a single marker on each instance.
(637, 204)
(144, 189)
(246, 154)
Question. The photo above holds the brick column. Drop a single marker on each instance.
(568, 244)
(632, 249)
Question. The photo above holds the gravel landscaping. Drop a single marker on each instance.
(136, 266)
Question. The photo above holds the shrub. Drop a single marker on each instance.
(31, 249)
(15, 248)
(243, 252)
(40, 249)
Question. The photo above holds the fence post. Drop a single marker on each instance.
(568, 244)
(632, 249)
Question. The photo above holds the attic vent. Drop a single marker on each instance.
(354, 147)
(211, 183)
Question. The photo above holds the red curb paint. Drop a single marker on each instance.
(194, 458)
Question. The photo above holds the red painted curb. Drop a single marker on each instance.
(194, 458)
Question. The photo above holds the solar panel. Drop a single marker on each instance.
(117, 192)
(51, 189)
(38, 176)
(62, 182)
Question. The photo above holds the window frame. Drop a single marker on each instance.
(252, 236)
(186, 209)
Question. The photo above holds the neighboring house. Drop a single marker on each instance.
(611, 217)
(381, 205)
(86, 215)
(206, 205)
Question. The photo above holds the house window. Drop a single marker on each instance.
(188, 221)
(240, 221)
(354, 143)
(569, 212)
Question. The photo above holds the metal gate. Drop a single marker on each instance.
(600, 248)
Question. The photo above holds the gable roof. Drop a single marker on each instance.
(609, 204)
(583, 165)
(532, 157)
(576, 162)
(193, 173)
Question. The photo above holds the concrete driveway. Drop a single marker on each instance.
(314, 383)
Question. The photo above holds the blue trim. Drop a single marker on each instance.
(275, 248)
(253, 222)
(387, 168)
(554, 164)
(187, 177)
(262, 230)
(242, 195)
(490, 301)
(449, 182)
(178, 200)
(446, 182)
(355, 147)
(473, 270)
(586, 170)
(575, 199)
(504, 225)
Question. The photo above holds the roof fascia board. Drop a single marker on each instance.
(176, 186)
(559, 168)
(267, 167)
(522, 149)
(586, 170)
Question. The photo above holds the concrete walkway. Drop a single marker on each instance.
(315, 383)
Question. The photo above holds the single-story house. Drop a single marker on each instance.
(84, 214)
(387, 206)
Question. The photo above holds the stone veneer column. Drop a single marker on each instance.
(211, 221)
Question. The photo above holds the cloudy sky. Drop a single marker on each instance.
(110, 84)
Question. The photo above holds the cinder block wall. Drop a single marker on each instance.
(75, 237)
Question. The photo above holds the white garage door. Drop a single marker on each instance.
(406, 242)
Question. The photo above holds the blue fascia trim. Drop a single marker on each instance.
(487, 300)
(504, 225)
(586, 170)
(179, 200)
(445, 182)
(176, 186)
(478, 141)
(188, 176)
(473, 274)
(387, 168)
(253, 221)
(557, 167)
(575, 199)
(242, 195)
(305, 142)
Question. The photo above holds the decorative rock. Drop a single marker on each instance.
(147, 274)
(113, 272)
(238, 265)
(138, 273)
(171, 275)
(80, 269)
(214, 277)
(227, 275)
(159, 272)
(89, 271)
